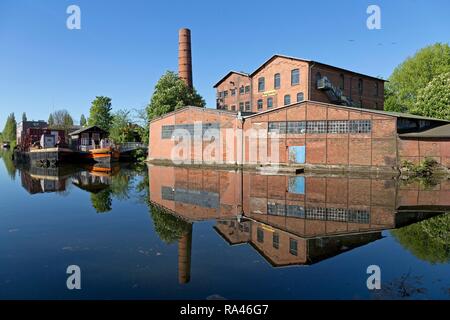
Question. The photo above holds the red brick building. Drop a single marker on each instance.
(309, 134)
(284, 80)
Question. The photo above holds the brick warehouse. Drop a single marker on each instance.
(311, 134)
(305, 113)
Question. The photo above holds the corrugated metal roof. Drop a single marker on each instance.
(85, 129)
(437, 132)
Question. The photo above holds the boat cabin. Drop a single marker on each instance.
(89, 138)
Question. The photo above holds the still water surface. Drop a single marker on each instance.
(177, 233)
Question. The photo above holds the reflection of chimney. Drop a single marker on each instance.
(184, 257)
(184, 56)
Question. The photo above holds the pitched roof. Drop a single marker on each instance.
(381, 112)
(436, 132)
(85, 129)
(228, 74)
(309, 61)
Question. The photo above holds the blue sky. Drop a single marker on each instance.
(123, 47)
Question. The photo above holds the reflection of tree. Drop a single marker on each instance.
(6, 156)
(120, 186)
(428, 240)
(102, 201)
(168, 227)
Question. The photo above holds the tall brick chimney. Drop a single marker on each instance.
(184, 257)
(185, 56)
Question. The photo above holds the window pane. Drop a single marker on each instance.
(276, 240)
(269, 102)
(247, 89)
(287, 99)
(260, 104)
(277, 81)
(277, 127)
(247, 105)
(300, 97)
(296, 127)
(293, 247)
(295, 76)
(261, 84)
(260, 235)
(316, 126)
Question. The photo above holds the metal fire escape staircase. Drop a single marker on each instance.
(335, 94)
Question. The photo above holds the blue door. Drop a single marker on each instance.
(296, 185)
(297, 154)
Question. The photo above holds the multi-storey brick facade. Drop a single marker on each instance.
(283, 80)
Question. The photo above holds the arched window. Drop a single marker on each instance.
(261, 84)
(269, 103)
(300, 97)
(287, 100)
(260, 104)
(277, 81)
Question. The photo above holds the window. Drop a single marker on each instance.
(225, 93)
(376, 89)
(316, 126)
(276, 240)
(247, 106)
(300, 97)
(276, 81)
(296, 127)
(269, 103)
(338, 126)
(225, 107)
(241, 106)
(259, 104)
(277, 127)
(233, 92)
(260, 235)
(241, 90)
(167, 131)
(247, 89)
(360, 86)
(376, 105)
(341, 85)
(318, 76)
(261, 84)
(287, 100)
(233, 107)
(360, 126)
(293, 247)
(295, 77)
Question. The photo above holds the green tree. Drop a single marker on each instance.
(61, 120)
(24, 117)
(83, 121)
(414, 73)
(122, 130)
(434, 99)
(170, 94)
(100, 113)
(167, 226)
(428, 240)
(9, 131)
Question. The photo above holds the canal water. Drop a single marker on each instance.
(149, 232)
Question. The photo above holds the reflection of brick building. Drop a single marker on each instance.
(293, 219)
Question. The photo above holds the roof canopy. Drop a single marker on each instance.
(90, 128)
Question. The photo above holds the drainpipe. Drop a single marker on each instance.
(310, 78)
